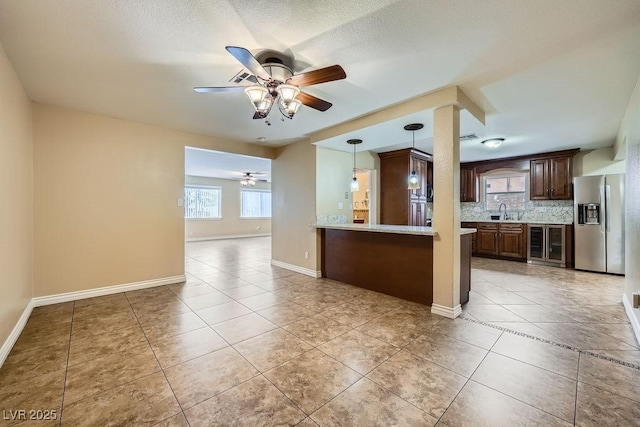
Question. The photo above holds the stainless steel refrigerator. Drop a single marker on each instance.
(599, 223)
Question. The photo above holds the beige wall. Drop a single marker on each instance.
(630, 131)
(334, 171)
(106, 195)
(293, 188)
(597, 162)
(231, 224)
(16, 193)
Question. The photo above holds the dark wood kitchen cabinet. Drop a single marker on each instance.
(473, 236)
(398, 205)
(501, 240)
(487, 239)
(468, 184)
(551, 178)
(512, 241)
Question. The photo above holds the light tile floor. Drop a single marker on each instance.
(245, 343)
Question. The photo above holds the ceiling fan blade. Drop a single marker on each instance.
(249, 61)
(220, 89)
(323, 75)
(313, 102)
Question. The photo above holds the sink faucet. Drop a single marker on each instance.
(505, 210)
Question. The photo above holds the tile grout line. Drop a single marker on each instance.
(155, 356)
(575, 403)
(66, 369)
(364, 376)
(469, 378)
(260, 373)
(546, 341)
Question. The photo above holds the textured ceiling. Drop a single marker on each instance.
(550, 74)
(214, 164)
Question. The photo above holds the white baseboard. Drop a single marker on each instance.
(632, 314)
(107, 290)
(15, 333)
(297, 269)
(449, 312)
(72, 296)
(235, 236)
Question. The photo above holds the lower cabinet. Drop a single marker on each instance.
(487, 239)
(512, 241)
(500, 240)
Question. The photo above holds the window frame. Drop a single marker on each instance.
(255, 190)
(504, 173)
(204, 187)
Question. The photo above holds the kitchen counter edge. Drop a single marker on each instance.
(512, 221)
(392, 229)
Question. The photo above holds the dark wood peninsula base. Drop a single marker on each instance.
(400, 264)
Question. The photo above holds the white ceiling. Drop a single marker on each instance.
(550, 74)
(215, 164)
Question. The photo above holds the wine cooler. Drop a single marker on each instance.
(546, 245)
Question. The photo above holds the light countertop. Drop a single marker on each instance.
(392, 229)
(513, 221)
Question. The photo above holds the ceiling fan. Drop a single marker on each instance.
(275, 83)
(249, 179)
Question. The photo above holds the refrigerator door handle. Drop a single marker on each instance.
(607, 210)
(601, 213)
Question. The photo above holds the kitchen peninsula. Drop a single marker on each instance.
(395, 260)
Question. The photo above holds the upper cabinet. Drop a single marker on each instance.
(398, 205)
(551, 178)
(468, 184)
(551, 175)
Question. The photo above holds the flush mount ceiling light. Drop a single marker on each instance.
(493, 142)
(413, 181)
(354, 181)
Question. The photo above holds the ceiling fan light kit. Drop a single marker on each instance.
(276, 82)
(493, 142)
(248, 180)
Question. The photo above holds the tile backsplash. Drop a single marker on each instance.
(536, 210)
(331, 219)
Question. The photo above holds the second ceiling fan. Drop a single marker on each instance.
(275, 83)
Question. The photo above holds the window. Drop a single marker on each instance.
(255, 203)
(202, 202)
(509, 189)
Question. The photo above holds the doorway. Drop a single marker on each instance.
(226, 195)
(362, 200)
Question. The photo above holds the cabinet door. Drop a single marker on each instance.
(511, 244)
(560, 178)
(487, 242)
(556, 243)
(417, 214)
(420, 166)
(539, 180)
(468, 191)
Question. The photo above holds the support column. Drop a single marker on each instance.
(446, 211)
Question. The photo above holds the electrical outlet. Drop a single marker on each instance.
(306, 254)
(180, 202)
(340, 205)
(346, 195)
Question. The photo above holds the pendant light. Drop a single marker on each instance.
(413, 181)
(354, 182)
